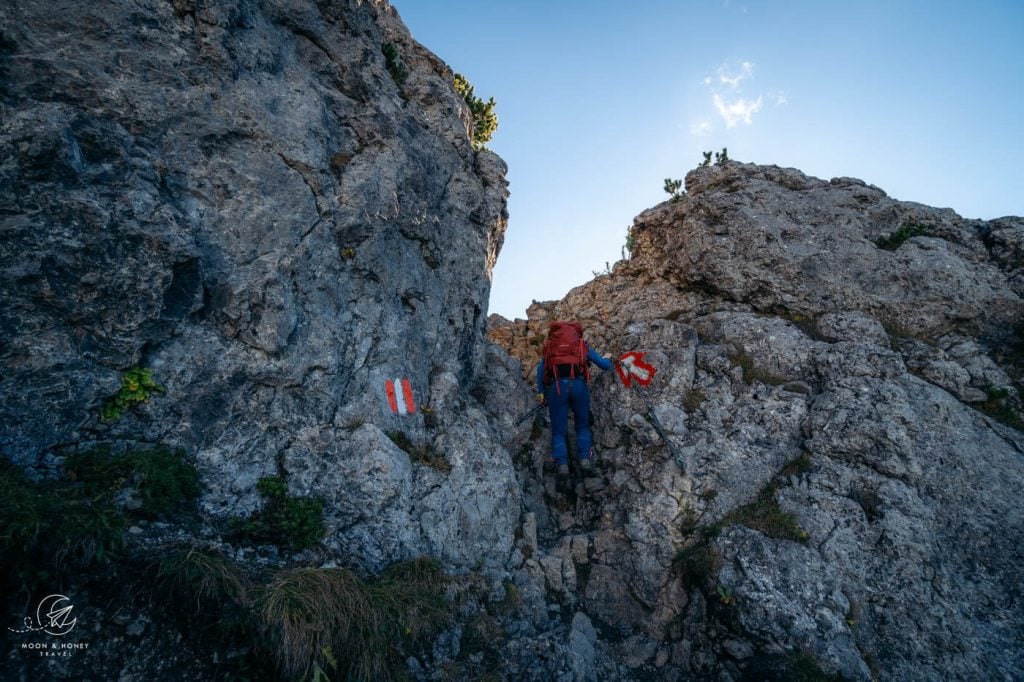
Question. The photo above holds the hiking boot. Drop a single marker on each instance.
(563, 470)
(587, 465)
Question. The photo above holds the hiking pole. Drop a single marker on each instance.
(530, 413)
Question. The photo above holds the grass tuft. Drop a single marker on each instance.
(368, 625)
(422, 454)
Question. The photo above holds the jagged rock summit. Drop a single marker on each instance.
(840, 375)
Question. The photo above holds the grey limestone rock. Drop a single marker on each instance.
(239, 197)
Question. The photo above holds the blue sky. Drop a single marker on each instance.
(600, 101)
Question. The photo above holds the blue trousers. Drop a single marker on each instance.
(571, 393)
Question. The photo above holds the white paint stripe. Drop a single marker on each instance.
(400, 397)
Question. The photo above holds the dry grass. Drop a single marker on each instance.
(306, 612)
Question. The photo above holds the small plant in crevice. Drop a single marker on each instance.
(294, 523)
(421, 454)
(394, 64)
(751, 372)
(725, 596)
(892, 241)
(998, 405)
(694, 399)
(722, 156)
(765, 515)
(707, 159)
(484, 118)
(137, 386)
(868, 500)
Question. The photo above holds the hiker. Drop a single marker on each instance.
(562, 375)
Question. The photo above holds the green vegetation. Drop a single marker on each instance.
(999, 407)
(137, 385)
(798, 666)
(765, 515)
(698, 563)
(722, 157)
(694, 399)
(674, 188)
(725, 596)
(294, 523)
(485, 121)
(627, 248)
(394, 64)
(77, 521)
(422, 454)
(307, 623)
(893, 241)
(707, 159)
(750, 372)
(306, 613)
(160, 481)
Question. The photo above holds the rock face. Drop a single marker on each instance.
(274, 214)
(241, 197)
(840, 490)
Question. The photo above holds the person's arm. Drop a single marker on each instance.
(596, 358)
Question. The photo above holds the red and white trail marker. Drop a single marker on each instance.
(400, 398)
(631, 367)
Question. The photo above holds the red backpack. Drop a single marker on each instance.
(565, 346)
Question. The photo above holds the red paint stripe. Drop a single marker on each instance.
(410, 404)
(389, 386)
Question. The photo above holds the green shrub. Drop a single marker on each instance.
(707, 159)
(294, 523)
(893, 241)
(160, 480)
(394, 64)
(137, 385)
(485, 120)
(722, 157)
(674, 188)
(51, 526)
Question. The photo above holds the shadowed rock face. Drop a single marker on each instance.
(840, 488)
(240, 197)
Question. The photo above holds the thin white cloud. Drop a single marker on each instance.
(779, 97)
(733, 78)
(736, 111)
(700, 128)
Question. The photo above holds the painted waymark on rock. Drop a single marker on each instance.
(400, 398)
(631, 367)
